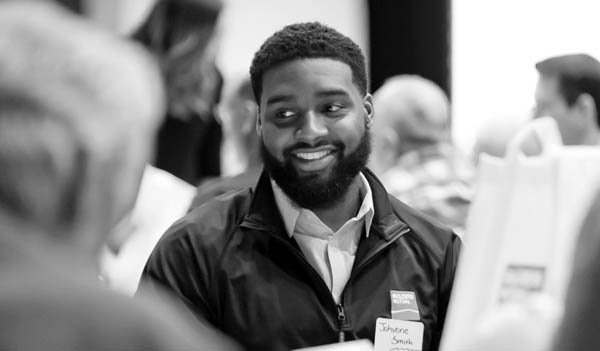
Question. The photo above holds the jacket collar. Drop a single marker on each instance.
(263, 213)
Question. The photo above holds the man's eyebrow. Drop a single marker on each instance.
(332, 92)
(279, 98)
(289, 97)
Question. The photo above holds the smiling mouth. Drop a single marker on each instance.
(310, 156)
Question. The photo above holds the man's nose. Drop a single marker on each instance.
(312, 127)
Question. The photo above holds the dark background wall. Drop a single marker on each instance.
(410, 36)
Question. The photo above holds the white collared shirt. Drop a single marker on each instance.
(331, 254)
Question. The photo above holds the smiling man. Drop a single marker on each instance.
(317, 251)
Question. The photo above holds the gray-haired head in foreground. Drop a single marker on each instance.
(78, 108)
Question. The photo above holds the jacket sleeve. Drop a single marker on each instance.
(174, 267)
(446, 280)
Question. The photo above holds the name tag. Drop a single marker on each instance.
(398, 335)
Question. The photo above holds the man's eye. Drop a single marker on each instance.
(284, 114)
(333, 108)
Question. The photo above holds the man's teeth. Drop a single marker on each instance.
(312, 155)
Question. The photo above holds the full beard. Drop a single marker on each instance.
(314, 191)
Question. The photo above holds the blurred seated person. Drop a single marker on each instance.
(568, 90)
(413, 153)
(241, 162)
(78, 111)
(180, 33)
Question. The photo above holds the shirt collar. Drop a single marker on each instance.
(290, 211)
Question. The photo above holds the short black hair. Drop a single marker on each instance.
(576, 74)
(307, 40)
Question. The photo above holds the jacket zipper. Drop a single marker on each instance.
(341, 322)
(341, 314)
(340, 307)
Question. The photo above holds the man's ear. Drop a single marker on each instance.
(369, 109)
(258, 122)
(586, 106)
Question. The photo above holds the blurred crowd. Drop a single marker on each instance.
(148, 204)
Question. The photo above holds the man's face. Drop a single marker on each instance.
(314, 128)
(550, 102)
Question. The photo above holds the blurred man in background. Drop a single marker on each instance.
(568, 90)
(413, 152)
(79, 108)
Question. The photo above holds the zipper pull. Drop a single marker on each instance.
(341, 322)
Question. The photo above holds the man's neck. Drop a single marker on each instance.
(339, 212)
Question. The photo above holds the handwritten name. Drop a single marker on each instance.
(396, 340)
(385, 327)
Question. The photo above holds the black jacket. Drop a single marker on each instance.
(233, 264)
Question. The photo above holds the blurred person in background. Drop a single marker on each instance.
(311, 253)
(79, 109)
(413, 153)
(241, 162)
(237, 113)
(568, 90)
(181, 34)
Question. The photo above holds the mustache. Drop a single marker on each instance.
(305, 145)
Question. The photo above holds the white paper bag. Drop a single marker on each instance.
(520, 231)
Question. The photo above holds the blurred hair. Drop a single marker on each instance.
(303, 41)
(171, 21)
(576, 74)
(179, 34)
(69, 92)
(33, 148)
(415, 107)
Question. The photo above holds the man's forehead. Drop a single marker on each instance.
(327, 76)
